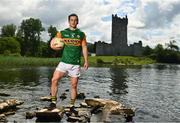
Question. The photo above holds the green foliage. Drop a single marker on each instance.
(29, 35)
(8, 30)
(91, 47)
(50, 52)
(52, 31)
(172, 46)
(15, 54)
(99, 61)
(147, 51)
(43, 49)
(170, 54)
(9, 45)
(118, 60)
(7, 53)
(107, 61)
(27, 61)
(19, 36)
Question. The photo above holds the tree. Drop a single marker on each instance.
(8, 30)
(30, 31)
(91, 47)
(170, 54)
(52, 33)
(43, 49)
(147, 51)
(159, 53)
(172, 46)
(19, 37)
(159, 48)
(9, 44)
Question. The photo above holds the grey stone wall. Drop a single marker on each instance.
(103, 49)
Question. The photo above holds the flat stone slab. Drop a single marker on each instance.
(104, 109)
(48, 116)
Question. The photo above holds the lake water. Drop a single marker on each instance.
(153, 90)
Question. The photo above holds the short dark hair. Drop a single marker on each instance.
(73, 14)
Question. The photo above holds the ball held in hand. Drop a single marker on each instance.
(58, 42)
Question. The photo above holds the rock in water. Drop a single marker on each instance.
(45, 115)
(45, 98)
(63, 96)
(48, 117)
(30, 115)
(101, 102)
(4, 94)
(106, 111)
(84, 105)
(8, 107)
(3, 118)
(9, 104)
(97, 96)
(81, 96)
(67, 90)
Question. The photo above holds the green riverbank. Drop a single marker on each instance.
(93, 61)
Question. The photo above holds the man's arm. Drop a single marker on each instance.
(85, 52)
(85, 55)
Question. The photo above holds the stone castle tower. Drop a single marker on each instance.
(119, 31)
(119, 45)
(119, 34)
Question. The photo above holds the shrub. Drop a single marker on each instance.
(99, 61)
(7, 53)
(9, 44)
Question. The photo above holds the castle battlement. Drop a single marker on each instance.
(119, 20)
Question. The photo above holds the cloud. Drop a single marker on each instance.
(151, 21)
(157, 17)
(9, 12)
(155, 22)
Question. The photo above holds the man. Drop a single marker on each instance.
(75, 43)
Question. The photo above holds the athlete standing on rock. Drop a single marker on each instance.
(74, 43)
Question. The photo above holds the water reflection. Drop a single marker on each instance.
(119, 82)
(29, 76)
(161, 66)
(19, 77)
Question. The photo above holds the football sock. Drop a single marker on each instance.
(53, 99)
(72, 101)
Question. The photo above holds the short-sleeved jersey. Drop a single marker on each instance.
(73, 40)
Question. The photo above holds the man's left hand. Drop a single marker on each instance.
(86, 65)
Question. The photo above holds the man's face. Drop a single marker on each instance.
(73, 21)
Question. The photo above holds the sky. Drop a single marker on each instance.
(151, 21)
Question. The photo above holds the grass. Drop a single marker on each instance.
(27, 61)
(120, 60)
(93, 61)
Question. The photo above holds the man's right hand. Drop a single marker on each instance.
(57, 48)
(55, 45)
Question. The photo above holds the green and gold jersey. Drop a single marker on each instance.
(73, 40)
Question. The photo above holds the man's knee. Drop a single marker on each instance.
(54, 80)
(56, 77)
